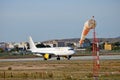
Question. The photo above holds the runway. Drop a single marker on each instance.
(105, 57)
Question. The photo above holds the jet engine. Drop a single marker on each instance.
(46, 56)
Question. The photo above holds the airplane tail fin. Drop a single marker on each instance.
(31, 43)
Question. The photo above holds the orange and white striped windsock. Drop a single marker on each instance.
(89, 24)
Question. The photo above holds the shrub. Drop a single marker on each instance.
(9, 68)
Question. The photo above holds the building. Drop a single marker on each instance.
(3, 45)
(107, 46)
(54, 43)
(67, 43)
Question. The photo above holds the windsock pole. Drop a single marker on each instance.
(95, 53)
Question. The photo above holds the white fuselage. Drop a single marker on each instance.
(56, 50)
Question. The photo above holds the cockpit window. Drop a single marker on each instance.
(71, 49)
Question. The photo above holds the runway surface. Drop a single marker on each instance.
(105, 57)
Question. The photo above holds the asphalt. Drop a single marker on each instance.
(105, 57)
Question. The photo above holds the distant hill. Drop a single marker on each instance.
(111, 40)
(118, 37)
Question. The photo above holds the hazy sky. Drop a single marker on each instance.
(56, 19)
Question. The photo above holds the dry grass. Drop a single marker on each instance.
(58, 70)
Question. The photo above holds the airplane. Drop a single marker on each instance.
(47, 53)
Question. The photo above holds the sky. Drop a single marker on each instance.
(57, 19)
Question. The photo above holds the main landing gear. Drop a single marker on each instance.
(69, 57)
(66, 57)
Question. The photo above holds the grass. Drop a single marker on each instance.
(59, 70)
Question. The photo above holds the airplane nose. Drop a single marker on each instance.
(73, 52)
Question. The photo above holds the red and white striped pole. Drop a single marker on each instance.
(96, 63)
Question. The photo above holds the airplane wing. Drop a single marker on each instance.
(45, 55)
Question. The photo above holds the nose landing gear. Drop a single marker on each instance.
(58, 57)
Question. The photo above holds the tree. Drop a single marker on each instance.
(16, 48)
(116, 46)
(40, 45)
(1, 50)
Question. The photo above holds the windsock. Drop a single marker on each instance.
(89, 24)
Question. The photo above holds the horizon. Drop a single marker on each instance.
(60, 39)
